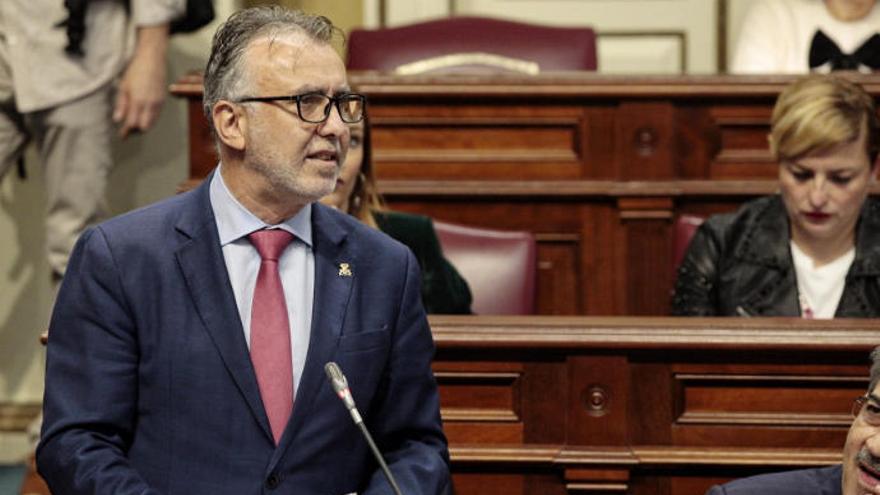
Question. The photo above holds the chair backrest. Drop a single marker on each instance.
(499, 266)
(468, 44)
(684, 229)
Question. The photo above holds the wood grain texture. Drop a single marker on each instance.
(642, 405)
(598, 167)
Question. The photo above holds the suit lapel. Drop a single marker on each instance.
(201, 261)
(332, 290)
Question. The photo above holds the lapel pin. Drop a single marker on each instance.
(344, 270)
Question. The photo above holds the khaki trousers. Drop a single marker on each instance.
(74, 145)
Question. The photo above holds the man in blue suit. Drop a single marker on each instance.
(165, 370)
(859, 474)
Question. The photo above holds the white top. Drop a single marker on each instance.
(776, 35)
(41, 75)
(296, 267)
(820, 288)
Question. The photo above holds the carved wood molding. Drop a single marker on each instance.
(577, 189)
(765, 419)
(558, 85)
(459, 414)
(583, 189)
(568, 84)
(737, 334)
(641, 455)
(645, 208)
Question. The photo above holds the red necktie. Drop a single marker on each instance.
(270, 331)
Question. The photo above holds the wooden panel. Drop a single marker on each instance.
(595, 166)
(645, 405)
(497, 392)
(544, 390)
(481, 406)
(600, 140)
(488, 483)
(504, 146)
(744, 150)
(645, 223)
(794, 401)
(644, 137)
(558, 282)
(597, 405)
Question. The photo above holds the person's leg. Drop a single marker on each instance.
(75, 148)
(13, 136)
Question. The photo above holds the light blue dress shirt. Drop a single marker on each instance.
(296, 266)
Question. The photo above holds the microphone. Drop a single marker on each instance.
(340, 386)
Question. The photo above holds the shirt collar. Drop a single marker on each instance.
(234, 221)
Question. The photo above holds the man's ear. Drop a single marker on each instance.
(230, 124)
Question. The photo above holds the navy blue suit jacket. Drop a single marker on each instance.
(150, 387)
(819, 481)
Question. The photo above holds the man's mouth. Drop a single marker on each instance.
(868, 477)
(869, 469)
(324, 155)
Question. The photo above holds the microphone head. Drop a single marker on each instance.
(334, 374)
(339, 383)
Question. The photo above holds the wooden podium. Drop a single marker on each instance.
(643, 406)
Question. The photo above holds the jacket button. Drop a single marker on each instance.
(273, 481)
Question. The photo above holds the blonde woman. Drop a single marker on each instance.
(813, 250)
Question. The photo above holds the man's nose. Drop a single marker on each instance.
(334, 125)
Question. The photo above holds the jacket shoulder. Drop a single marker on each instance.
(746, 215)
(155, 220)
(819, 481)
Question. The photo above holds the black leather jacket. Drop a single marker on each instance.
(739, 264)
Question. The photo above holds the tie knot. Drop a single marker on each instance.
(270, 243)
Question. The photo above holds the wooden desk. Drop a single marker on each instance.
(643, 406)
(596, 166)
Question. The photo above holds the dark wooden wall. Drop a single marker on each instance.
(643, 406)
(597, 167)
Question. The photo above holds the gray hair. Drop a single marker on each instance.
(223, 74)
(875, 369)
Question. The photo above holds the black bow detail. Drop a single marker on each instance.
(823, 50)
(76, 26)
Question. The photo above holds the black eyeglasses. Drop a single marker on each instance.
(314, 108)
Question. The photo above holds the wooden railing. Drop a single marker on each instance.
(536, 405)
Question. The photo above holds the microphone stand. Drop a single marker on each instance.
(340, 386)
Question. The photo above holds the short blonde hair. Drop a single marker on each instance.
(818, 112)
